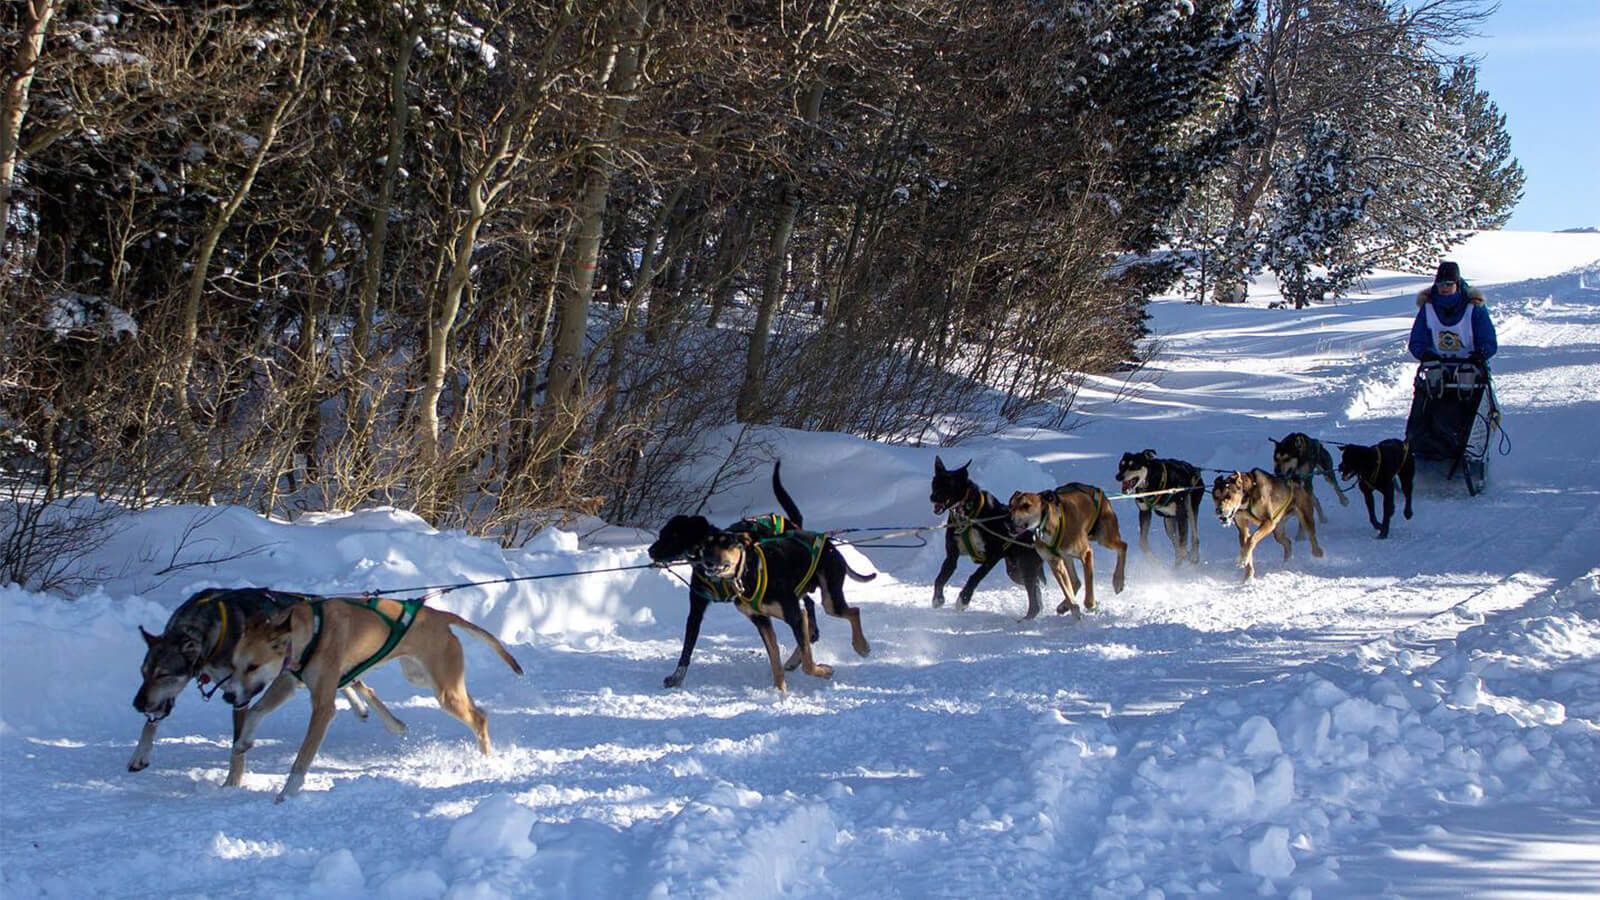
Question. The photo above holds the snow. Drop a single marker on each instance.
(1415, 717)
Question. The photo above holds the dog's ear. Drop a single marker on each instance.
(150, 640)
(282, 623)
(938, 465)
(1148, 454)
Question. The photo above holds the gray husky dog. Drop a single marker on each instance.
(197, 644)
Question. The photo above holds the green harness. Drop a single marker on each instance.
(399, 614)
(1148, 504)
(967, 539)
(1095, 494)
(767, 529)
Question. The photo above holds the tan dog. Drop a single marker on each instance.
(327, 642)
(1063, 522)
(1264, 500)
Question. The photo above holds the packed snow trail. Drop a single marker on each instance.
(1354, 726)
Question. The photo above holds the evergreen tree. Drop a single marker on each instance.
(1318, 204)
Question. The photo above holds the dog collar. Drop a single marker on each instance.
(222, 633)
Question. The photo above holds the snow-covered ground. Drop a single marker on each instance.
(1418, 717)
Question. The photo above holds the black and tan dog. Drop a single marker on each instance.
(766, 566)
(1063, 521)
(197, 644)
(1375, 468)
(980, 527)
(1144, 473)
(1304, 458)
(326, 642)
(1264, 500)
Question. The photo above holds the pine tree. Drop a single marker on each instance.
(1318, 205)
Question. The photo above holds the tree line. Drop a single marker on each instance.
(498, 262)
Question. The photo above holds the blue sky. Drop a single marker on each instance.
(1541, 64)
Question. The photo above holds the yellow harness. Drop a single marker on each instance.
(1377, 462)
(724, 590)
(966, 539)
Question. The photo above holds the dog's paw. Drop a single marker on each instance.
(862, 648)
(938, 599)
(240, 748)
(963, 601)
(138, 765)
(1408, 513)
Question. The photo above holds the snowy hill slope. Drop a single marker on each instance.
(1416, 717)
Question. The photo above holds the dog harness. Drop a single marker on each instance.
(966, 518)
(765, 527)
(725, 590)
(399, 614)
(1148, 504)
(222, 631)
(278, 601)
(1053, 543)
(1174, 498)
(1377, 462)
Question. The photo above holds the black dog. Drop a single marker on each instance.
(766, 566)
(1375, 468)
(1303, 457)
(1143, 473)
(980, 527)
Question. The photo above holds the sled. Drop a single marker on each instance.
(1453, 420)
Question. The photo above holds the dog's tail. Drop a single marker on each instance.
(482, 635)
(857, 575)
(784, 500)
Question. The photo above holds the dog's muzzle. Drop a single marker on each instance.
(238, 700)
(153, 713)
(1130, 484)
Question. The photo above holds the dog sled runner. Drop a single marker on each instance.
(1453, 420)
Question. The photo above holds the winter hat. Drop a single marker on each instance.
(1448, 271)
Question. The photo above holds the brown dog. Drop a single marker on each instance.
(1264, 500)
(326, 642)
(1063, 522)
